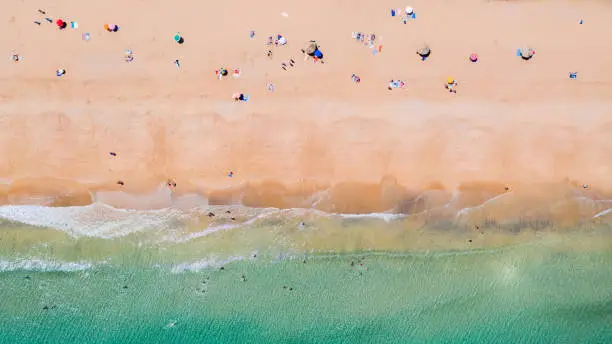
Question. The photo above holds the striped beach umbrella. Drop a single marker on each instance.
(527, 53)
(424, 51)
(311, 47)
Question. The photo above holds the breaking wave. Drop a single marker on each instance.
(191, 216)
(33, 264)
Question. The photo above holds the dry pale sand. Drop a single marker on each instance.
(517, 123)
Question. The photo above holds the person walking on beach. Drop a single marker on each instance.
(451, 84)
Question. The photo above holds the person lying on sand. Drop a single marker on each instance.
(396, 84)
(129, 56)
(240, 97)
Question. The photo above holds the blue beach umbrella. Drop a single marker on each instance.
(178, 38)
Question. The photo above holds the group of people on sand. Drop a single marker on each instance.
(288, 64)
(277, 40)
(223, 72)
(240, 97)
(396, 84)
(366, 39)
(273, 41)
(312, 51)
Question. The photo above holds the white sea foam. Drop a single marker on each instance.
(96, 220)
(465, 211)
(603, 213)
(224, 227)
(204, 264)
(33, 264)
(387, 217)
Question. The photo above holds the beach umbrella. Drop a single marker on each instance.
(60, 23)
(450, 80)
(409, 10)
(106, 27)
(474, 57)
(527, 53)
(318, 54)
(310, 48)
(424, 51)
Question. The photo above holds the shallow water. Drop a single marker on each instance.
(100, 275)
(519, 294)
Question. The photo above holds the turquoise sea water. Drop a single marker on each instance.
(522, 294)
(327, 280)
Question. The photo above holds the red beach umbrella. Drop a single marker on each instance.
(60, 23)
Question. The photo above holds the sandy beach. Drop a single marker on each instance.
(512, 125)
